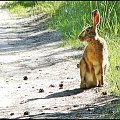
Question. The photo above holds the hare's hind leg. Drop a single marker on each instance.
(99, 72)
(82, 67)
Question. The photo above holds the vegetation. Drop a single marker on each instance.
(70, 17)
(114, 115)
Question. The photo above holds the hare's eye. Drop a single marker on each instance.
(88, 30)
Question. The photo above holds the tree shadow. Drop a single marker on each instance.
(31, 34)
(28, 34)
(103, 111)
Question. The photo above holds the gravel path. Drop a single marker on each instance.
(39, 79)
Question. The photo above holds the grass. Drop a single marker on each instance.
(114, 115)
(70, 17)
(113, 76)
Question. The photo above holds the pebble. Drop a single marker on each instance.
(26, 113)
(75, 105)
(25, 78)
(11, 114)
(104, 93)
(41, 90)
(61, 86)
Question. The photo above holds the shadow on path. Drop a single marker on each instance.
(23, 35)
(60, 94)
(101, 111)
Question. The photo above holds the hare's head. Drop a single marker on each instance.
(91, 32)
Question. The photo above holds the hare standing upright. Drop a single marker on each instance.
(95, 57)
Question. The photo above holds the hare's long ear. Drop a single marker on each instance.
(96, 18)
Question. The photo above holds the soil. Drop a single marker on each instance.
(39, 79)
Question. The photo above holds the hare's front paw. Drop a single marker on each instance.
(83, 85)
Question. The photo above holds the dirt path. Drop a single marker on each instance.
(28, 48)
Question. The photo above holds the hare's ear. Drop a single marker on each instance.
(96, 18)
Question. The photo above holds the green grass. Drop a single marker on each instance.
(19, 8)
(70, 17)
(115, 114)
(113, 74)
(28, 8)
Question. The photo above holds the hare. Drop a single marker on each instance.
(95, 57)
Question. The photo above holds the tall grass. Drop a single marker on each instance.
(19, 8)
(70, 17)
(28, 8)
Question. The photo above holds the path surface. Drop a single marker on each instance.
(29, 48)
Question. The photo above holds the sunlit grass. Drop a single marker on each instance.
(19, 10)
(113, 76)
(28, 8)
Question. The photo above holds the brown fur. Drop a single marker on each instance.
(95, 57)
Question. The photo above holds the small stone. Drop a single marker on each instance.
(104, 93)
(75, 105)
(19, 86)
(25, 78)
(11, 114)
(26, 113)
(41, 90)
(61, 86)
(78, 66)
(55, 107)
